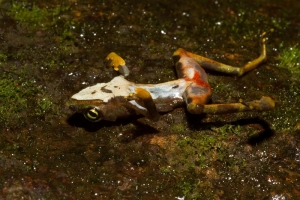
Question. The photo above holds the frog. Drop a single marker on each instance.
(121, 98)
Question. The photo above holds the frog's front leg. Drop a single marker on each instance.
(141, 96)
(220, 67)
(141, 101)
(118, 63)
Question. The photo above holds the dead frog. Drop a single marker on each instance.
(120, 98)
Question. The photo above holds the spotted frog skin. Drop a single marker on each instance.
(121, 98)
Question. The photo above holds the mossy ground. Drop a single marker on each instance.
(15, 99)
(290, 59)
(51, 50)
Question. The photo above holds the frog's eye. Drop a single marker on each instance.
(93, 114)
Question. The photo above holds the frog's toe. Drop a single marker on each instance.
(264, 104)
(124, 70)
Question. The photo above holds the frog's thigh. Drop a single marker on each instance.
(196, 97)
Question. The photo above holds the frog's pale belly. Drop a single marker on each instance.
(119, 86)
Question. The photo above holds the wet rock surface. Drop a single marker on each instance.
(49, 51)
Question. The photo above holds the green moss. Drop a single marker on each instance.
(187, 188)
(18, 97)
(166, 170)
(290, 59)
(35, 16)
(203, 151)
(179, 128)
(12, 101)
(280, 23)
(228, 128)
(195, 152)
(3, 58)
(43, 105)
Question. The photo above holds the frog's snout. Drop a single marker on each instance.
(73, 108)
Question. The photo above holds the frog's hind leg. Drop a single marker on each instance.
(141, 101)
(220, 67)
(264, 104)
(118, 63)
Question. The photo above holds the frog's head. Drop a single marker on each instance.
(99, 101)
(91, 109)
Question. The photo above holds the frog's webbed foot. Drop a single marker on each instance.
(264, 104)
(142, 102)
(117, 63)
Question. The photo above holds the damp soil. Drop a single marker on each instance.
(51, 50)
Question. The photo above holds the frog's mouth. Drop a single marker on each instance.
(75, 108)
(91, 113)
(81, 105)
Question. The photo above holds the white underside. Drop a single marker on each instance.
(119, 86)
